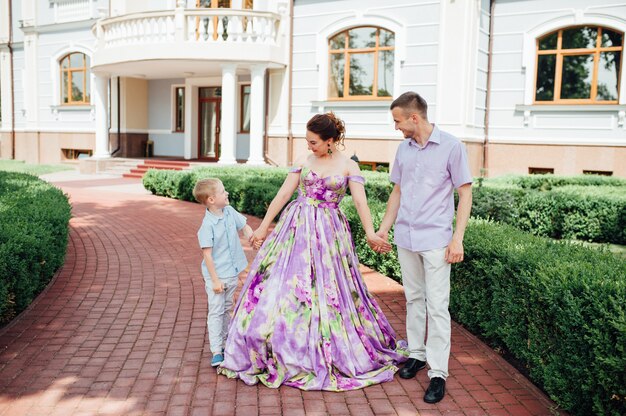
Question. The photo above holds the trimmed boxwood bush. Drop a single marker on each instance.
(584, 208)
(549, 181)
(557, 307)
(34, 218)
(237, 180)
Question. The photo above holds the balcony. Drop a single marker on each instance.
(184, 40)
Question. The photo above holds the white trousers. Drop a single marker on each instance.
(426, 281)
(220, 312)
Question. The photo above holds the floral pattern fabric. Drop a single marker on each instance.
(305, 317)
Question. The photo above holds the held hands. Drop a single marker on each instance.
(378, 242)
(257, 238)
(454, 251)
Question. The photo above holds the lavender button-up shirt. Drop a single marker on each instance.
(427, 177)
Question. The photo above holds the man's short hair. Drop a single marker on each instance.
(411, 102)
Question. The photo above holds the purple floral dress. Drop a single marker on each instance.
(304, 317)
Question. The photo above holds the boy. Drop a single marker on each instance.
(223, 258)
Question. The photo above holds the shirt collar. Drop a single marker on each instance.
(212, 218)
(435, 137)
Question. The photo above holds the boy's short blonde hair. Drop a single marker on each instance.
(205, 188)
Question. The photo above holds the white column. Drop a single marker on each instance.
(257, 115)
(102, 117)
(229, 110)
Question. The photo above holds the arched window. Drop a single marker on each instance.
(579, 65)
(75, 83)
(361, 64)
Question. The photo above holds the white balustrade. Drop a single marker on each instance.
(73, 10)
(198, 26)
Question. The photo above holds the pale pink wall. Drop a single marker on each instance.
(565, 160)
(277, 150)
(5, 145)
(475, 157)
(44, 148)
(367, 150)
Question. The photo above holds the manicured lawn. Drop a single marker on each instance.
(20, 166)
(613, 248)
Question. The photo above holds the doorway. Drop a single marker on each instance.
(209, 116)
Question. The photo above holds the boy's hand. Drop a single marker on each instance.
(247, 232)
(218, 286)
(258, 237)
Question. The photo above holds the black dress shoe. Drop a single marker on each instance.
(436, 390)
(411, 367)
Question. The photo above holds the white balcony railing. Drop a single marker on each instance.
(74, 10)
(189, 25)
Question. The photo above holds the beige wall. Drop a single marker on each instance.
(27, 147)
(565, 160)
(278, 150)
(502, 159)
(135, 104)
(367, 150)
(37, 147)
(5, 146)
(383, 151)
(475, 157)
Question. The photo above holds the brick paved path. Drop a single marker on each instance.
(122, 331)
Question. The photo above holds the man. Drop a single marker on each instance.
(427, 168)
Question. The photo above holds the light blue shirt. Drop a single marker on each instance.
(221, 233)
(427, 177)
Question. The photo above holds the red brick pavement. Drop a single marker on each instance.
(122, 331)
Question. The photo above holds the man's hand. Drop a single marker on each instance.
(378, 243)
(454, 251)
(218, 286)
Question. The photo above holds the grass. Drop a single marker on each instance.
(37, 170)
(616, 249)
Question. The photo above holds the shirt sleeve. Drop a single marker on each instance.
(396, 171)
(205, 235)
(240, 220)
(458, 166)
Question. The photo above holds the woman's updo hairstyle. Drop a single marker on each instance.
(327, 126)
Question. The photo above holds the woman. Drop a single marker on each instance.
(304, 317)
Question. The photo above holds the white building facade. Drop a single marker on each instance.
(529, 86)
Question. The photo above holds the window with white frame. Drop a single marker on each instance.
(579, 65)
(75, 79)
(361, 64)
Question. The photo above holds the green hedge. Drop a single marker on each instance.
(237, 180)
(549, 181)
(557, 307)
(583, 208)
(34, 218)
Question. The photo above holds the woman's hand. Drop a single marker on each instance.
(378, 244)
(258, 237)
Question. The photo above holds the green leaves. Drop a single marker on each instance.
(557, 307)
(34, 219)
(588, 207)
